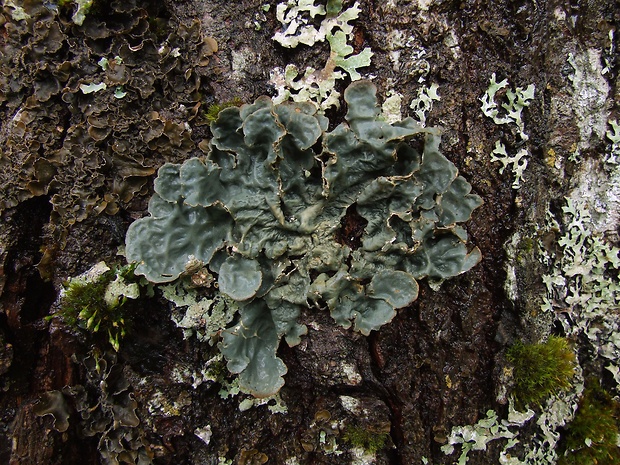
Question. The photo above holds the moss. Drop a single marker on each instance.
(591, 438)
(215, 108)
(541, 370)
(370, 441)
(526, 245)
(86, 304)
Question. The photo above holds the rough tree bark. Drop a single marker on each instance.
(439, 363)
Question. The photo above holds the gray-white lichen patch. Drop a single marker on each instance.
(391, 108)
(589, 100)
(299, 26)
(359, 456)
(510, 113)
(244, 61)
(197, 314)
(204, 434)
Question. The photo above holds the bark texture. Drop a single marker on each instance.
(438, 364)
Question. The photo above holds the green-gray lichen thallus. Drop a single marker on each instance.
(264, 212)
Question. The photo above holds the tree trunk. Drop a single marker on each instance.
(78, 165)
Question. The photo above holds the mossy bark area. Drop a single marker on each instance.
(438, 363)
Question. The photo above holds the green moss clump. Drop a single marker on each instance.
(370, 441)
(541, 370)
(97, 304)
(215, 108)
(591, 438)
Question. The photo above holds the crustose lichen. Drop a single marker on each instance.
(264, 210)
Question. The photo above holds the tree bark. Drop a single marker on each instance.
(437, 365)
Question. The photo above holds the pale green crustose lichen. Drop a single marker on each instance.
(266, 214)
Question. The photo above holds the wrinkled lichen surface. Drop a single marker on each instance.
(265, 209)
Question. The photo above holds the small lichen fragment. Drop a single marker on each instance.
(516, 163)
(53, 403)
(423, 103)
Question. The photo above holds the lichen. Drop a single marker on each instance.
(322, 434)
(200, 315)
(491, 428)
(317, 86)
(583, 287)
(103, 408)
(517, 100)
(423, 103)
(264, 214)
(613, 154)
(83, 109)
(590, 97)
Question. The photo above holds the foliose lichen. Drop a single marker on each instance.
(517, 100)
(104, 408)
(491, 428)
(318, 86)
(269, 214)
(423, 103)
(613, 154)
(86, 100)
(583, 287)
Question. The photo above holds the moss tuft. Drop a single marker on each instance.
(370, 441)
(86, 304)
(215, 108)
(591, 438)
(541, 370)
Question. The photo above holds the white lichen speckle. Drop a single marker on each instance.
(391, 108)
(204, 434)
(242, 61)
(351, 404)
(352, 373)
(361, 457)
